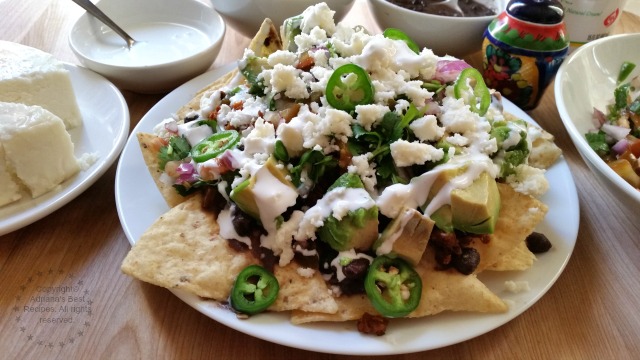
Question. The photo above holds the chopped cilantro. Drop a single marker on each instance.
(598, 142)
(177, 149)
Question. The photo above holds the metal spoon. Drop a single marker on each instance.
(93, 10)
(452, 4)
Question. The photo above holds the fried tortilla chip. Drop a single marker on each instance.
(182, 250)
(544, 152)
(349, 308)
(194, 103)
(150, 147)
(266, 42)
(519, 215)
(518, 259)
(446, 290)
(302, 293)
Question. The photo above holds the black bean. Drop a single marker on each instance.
(538, 243)
(242, 222)
(213, 201)
(467, 262)
(356, 269)
(191, 117)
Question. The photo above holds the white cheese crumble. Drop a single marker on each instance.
(528, 180)
(407, 153)
(426, 128)
(456, 115)
(369, 115)
(305, 272)
(337, 203)
(360, 165)
(517, 286)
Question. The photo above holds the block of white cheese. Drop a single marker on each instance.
(38, 151)
(9, 188)
(34, 77)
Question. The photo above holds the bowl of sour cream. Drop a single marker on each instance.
(176, 40)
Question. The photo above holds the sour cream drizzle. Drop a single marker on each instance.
(415, 193)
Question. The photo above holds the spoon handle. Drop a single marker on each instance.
(93, 10)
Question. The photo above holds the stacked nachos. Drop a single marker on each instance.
(341, 175)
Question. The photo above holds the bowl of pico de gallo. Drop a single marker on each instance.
(597, 92)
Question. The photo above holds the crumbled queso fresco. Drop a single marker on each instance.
(398, 75)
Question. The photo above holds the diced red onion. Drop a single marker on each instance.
(171, 126)
(621, 146)
(448, 70)
(186, 178)
(598, 118)
(615, 131)
(432, 108)
(185, 169)
(230, 160)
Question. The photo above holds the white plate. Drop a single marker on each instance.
(139, 203)
(104, 132)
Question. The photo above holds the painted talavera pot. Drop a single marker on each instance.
(523, 49)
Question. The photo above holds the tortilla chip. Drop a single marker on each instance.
(194, 103)
(453, 291)
(182, 250)
(519, 215)
(446, 290)
(349, 308)
(303, 293)
(150, 147)
(518, 259)
(544, 152)
(266, 42)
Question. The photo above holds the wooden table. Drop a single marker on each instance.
(593, 311)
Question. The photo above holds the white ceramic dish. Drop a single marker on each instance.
(177, 40)
(103, 132)
(139, 203)
(445, 35)
(586, 80)
(246, 16)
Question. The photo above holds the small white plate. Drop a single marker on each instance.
(139, 203)
(104, 131)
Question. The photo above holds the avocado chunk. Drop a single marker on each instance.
(473, 209)
(358, 229)
(443, 218)
(289, 30)
(406, 236)
(244, 195)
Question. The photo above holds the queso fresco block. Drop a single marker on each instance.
(33, 77)
(36, 151)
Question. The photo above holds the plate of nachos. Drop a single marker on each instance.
(346, 192)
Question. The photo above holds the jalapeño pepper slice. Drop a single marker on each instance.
(393, 287)
(480, 90)
(254, 290)
(396, 34)
(214, 145)
(625, 69)
(346, 95)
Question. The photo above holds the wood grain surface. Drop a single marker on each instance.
(592, 312)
